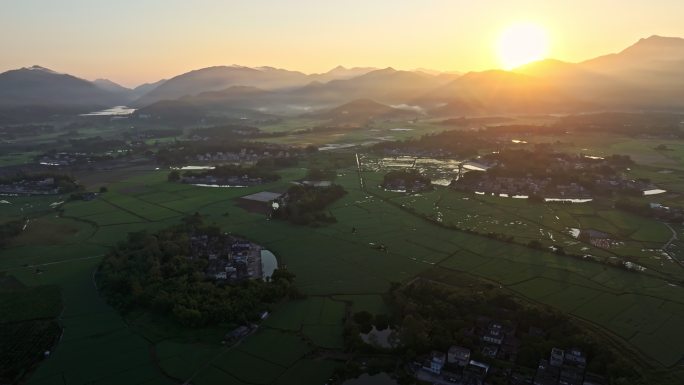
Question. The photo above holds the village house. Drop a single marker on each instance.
(458, 356)
(495, 334)
(562, 368)
(229, 258)
(45, 186)
(436, 362)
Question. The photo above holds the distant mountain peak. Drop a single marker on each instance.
(103, 81)
(40, 86)
(342, 72)
(658, 38)
(109, 85)
(39, 68)
(655, 42)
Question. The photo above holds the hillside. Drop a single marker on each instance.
(362, 111)
(38, 86)
(222, 77)
(648, 74)
(385, 86)
(498, 92)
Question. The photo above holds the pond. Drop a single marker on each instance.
(442, 182)
(386, 338)
(655, 191)
(335, 146)
(569, 200)
(185, 168)
(268, 263)
(114, 111)
(218, 185)
(474, 166)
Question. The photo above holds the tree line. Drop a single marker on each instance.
(305, 205)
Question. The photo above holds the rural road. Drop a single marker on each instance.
(667, 245)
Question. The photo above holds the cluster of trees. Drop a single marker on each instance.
(412, 180)
(156, 133)
(365, 321)
(231, 132)
(633, 124)
(231, 171)
(318, 174)
(81, 157)
(87, 195)
(64, 183)
(434, 316)
(96, 144)
(9, 230)
(304, 205)
(152, 272)
(542, 163)
(624, 123)
(178, 153)
(671, 214)
(452, 143)
(469, 122)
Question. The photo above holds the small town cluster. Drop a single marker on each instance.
(243, 156)
(230, 259)
(211, 180)
(524, 186)
(497, 341)
(24, 187)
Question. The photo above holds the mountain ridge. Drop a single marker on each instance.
(648, 74)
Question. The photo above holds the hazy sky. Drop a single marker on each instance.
(135, 41)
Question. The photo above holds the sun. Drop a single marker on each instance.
(521, 44)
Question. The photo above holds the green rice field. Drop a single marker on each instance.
(338, 269)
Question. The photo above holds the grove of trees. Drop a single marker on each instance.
(152, 272)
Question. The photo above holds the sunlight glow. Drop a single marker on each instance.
(521, 44)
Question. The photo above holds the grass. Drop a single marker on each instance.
(53, 231)
(334, 266)
(549, 224)
(30, 303)
(280, 348)
(17, 158)
(308, 372)
(248, 368)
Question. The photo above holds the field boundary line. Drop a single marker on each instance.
(127, 210)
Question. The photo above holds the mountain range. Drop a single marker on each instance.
(649, 75)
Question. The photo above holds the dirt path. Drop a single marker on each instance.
(52, 263)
